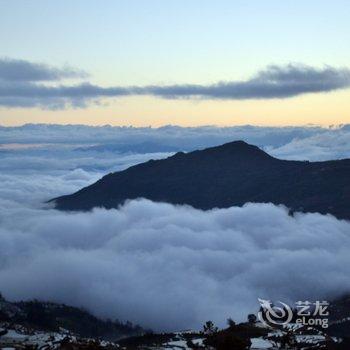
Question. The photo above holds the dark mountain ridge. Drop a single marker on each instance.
(231, 174)
(51, 317)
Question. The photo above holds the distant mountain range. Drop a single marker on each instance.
(228, 175)
(142, 147)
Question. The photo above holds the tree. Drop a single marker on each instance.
(251, 318)
(231, 323)
(209, 328)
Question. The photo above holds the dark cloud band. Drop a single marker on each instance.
(12, 70)
(21, 85)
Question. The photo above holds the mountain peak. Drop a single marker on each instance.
(218, 177)
(238, 149)
(238, 145)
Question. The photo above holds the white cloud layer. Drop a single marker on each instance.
(164, 266)
(172, 267)
(305, 143)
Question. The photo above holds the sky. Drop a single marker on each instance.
(177, 62)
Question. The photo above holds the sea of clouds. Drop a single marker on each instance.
(163, 266)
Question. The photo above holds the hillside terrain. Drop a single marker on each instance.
(223, 176)
(39, 325)
(53, 317)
